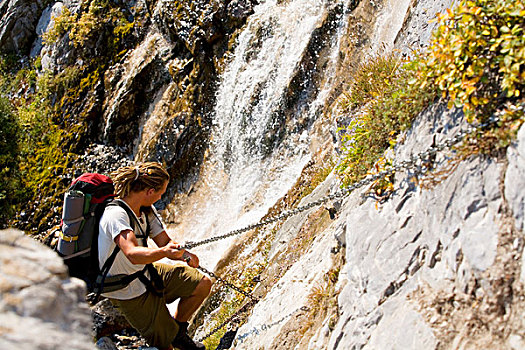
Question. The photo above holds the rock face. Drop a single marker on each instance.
(40, 306)
(439, 262)
(18, 21)
(45, 23)
(438, 265)
(426, 249)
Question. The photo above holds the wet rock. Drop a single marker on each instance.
(134, 84)
(40, 306)
(239, 10)
(106, 343)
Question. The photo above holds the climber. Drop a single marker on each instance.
(143, 301)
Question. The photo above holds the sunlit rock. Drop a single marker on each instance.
(40, 306)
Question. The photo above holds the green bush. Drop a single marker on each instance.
(92, 20)
(9, 179)
(49, 109)
(33, 148)
(383, 100)
(477, 56)
(476, 59)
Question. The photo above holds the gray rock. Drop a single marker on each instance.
(442, 236)
(516, 342)
(417, 27)
(18, 22)
(396, 321)
(108, 320)
(106, 343)
(239, 10)
(40, 306)
(515, 182)
(45, 22)
(340, 235)
(515, 179)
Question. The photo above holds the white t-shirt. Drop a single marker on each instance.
(112, 223)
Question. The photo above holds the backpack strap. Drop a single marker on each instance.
(101, 278)
(155, 285)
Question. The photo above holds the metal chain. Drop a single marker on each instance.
(229, 284)
(408, 164)
(266, 327)
(228, 320)
(253, 300)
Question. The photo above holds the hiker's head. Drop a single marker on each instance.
(144, 176)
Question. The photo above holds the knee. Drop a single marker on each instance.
(204, 286)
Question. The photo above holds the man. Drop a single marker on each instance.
(137, 188)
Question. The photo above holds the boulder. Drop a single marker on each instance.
(41, 307)
(18, 21)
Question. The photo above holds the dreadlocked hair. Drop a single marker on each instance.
(139, 177)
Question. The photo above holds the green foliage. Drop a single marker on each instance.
(228, 307)
(62, 24)
(33, 147)
(50, 109)
(42, 159)
(89, 23)
(9, 179)
(316, 179)
(52, 85)
(385, 98)
(476, 59)
(371, 79)
(478, 52)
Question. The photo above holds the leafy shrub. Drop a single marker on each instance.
(477, 56)
(476, 59)
(89, 23)
(51, 110)
(42, 142)
(34, 148)
(370, 80)
(9, 179)
(384, 98)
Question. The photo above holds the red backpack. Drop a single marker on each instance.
(84, 204)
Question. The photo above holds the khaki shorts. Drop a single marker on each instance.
(148, 313)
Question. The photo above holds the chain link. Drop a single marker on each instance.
(232, 318)
(265, 327)
(253, 300)
(229, 284)
(409, 164)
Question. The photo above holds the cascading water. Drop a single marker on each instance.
(255, 156)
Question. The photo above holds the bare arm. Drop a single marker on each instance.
(162, 239)
(127, 241)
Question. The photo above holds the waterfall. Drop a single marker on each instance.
(255, 154)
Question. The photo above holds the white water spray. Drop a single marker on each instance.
(250, 166)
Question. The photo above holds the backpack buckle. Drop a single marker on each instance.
(68, 238)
